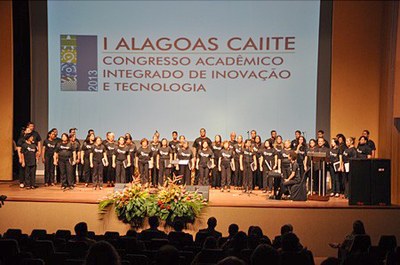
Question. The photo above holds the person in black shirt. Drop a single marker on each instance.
(154, 146)
(364, 151)
(268, 161)
(98, 159)
(216, 174)
(370, 143)
(294, 176)
(312, 147)
(278, 144)
(295, 141)
(186, 163)
(320, 134)
(301, 150)
(237, 151)
(132, 150)
(232, 140)
(76, 147)
(224, 166)
(144, 157)
(334, 157)
(85, 152)
(164, 159)
(49, 145)
(247, 159)
(174, 144)
(28, 151)
(37, 140)
(20, 142)
(349, 153)
(204, 162)
(284, 162)
(253, 135)
(272, 139)
(65, 157)
(257, 175)
(109, 171)
(121, 160)
(197, 145)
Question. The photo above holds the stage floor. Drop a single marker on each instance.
(234, 198)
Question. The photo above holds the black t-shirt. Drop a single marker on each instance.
(204, 156)
(248, 155)
(121, 153)
(217, 148)
(294, 167)
(98, 152)
(64, 150)
(29, 151)
(144, 154)
(86, 147)
(301, 153)
(371, 144)
(309, 151)
(226, 157)
(75, 145)
(36, 137)
(21, 141)
(154, 148)
(132, 148)
(164, 153)
(285, 157)
(294, 144)
(256, 149)
(110, 146)
(199, 141)
(334, 155)
(363, 151)
(238, 150)
(184, 154)
(268, 154)
(349, 153)
(174, 145)
(232, 145)
(50, 146)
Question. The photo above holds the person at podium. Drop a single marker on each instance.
(364, 151)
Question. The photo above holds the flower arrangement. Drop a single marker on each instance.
(135, 203)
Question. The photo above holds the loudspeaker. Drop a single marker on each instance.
(203, 190)
(369, 182)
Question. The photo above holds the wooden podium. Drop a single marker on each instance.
(318, 157)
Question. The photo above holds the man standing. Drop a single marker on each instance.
(295, 142)
(370, 143)
(197, 144)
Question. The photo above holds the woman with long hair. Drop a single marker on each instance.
(224, 166)
(85, 153)
(237, 151)
(247, 159)
(334, 157)
(268, 161)
(132, 150)
(49, 146)
(348, 154)
(204, 162)
(216, 174)
(98, 160)
(257, 175)
(301, 150)
(154, 146)
(65, 157)
(121, 160)
(186, 162)
(109, 172)
(312, 147)
(143, 157)
(164, 159)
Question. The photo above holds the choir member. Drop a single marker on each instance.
(253, 135)
(295, 141)
(268, 162)
(186, 162)
(174, 144)
(278, 144)
(154, 146)
(121, 160)
(109, 171)
(224, 166)
(85, 152)
(164, 159)
(284, 163)
(272, 139)
(76, 147)
(232, 140)
(130, 171)
(320, 134)
(364, 151)
(20, 142)
(247, 159)
(301, 150)
(349, 153)
(49, 145)
(98, 159)
(204, 162)
(216, 174)
(238, 151)
(334, 157)
(312, 147)
(197, 145)
(257, 175)
(29, 160)
(36, 138)
(65, 157)
(294, 177)
(144, 156)
(341, 142)
(370, 143)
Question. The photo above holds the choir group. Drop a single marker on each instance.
(275, 166)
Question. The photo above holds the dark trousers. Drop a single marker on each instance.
(268, 182)
(346, 181)
(144, 172)
(87, 171)
(30, 176)
(120, 176)
(285, 174)
(164, 172)
(186, 174)
(49, 169)
(79, 167)
(154, 174)
(98, 173)
(335, 179)
(257, 176)
(109, 171)
(204, 175)
(289, 184)
(247, 176)
(238, 175)
(129, 173)
(65, 172)
(58, 174)
(216, 177)
(226, 173)
(21, 173)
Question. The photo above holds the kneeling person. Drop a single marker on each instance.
(294, 177)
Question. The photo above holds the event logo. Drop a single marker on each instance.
(78, 58)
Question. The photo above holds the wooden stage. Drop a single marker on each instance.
(234, 198)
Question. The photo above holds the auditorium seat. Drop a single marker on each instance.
(91, 235)
(245, 255)
(210, 256)
(66, 234)
(13, 233)
(138, 259)
(38, 234)
(32, 262)
(157, 243)
(388, 242)
(111, 235)
(9, 250)
(187, 256)
(44, 249)
(361, 244)
(77, 250)
(74, 262)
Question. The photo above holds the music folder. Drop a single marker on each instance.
(336, 166)
(104, 161)
(253, 166)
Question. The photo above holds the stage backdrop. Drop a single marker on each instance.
(145, 65)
